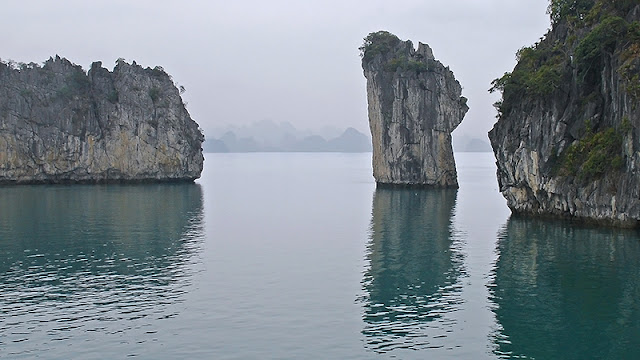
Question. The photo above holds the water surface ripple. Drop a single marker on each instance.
(86, 263)
(299, 256)
(412, 282)
(566, 292)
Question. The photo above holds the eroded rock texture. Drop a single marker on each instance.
(566, 141)
(60, 124)
(414, 104)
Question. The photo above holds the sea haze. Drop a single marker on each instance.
(297, 255)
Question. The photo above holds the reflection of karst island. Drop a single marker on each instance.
(154, 225)
(543, 289)
(59, 123)
(413, 269)
(414, 104)
(153, 221)
(122, 251)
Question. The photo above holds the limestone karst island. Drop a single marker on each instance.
(414, 104)
(60, 124)
(566, 140)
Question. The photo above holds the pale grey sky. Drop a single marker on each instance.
(248, 60)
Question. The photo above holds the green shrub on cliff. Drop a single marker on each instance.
(78, 80)
(382, 42)
(596, 30)
(564, 72)
(403, 63)
(601, 41)
(154, 94)
(574, 9)
(593, 155)
(630, 56)
(539, 73)
(113, 96)
(377, 43)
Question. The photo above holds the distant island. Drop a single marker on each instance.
(62, 124)
(466, 143)
(269, 136)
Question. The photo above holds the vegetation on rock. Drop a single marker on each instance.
(377, 43)
(540, 72)
(570, 60)
(404, 64)
(383, 43)
(411, 147)
(593, 155)
(154, 94)
(601, 30)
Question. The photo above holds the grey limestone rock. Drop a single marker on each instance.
(60, 124)
(414, 103)
(567, 143)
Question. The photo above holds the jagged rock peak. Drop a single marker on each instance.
(59, 123)
(414, 103)
(566, 141)
(425, 51)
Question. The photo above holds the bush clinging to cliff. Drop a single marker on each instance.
(377, 43)
(593, 155)
(593, 31)
(383, 42)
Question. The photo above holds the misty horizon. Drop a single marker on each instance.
(248, 61)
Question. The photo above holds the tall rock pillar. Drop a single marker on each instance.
(415, 103)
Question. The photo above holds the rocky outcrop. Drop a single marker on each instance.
(414, 104)
(60, 124)
(566, 141)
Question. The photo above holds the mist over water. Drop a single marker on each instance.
(299, 256)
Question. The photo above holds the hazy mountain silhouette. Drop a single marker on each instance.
(270, 133)
(465, 143)
(351, 140)
(267, 136)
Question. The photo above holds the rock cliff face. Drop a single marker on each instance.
(566, 140)
(414, 105)
(60, 124)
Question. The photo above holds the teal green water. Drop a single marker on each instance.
(290, 256)
(564, 292)
(87, 271)
(415, 264)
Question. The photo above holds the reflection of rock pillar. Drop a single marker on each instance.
(412, 267)
(563, 292)
(415, 103)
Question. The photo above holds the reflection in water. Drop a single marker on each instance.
(413, 269)
(565, 292)
(76, 260)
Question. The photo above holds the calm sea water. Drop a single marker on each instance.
(298, 256)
